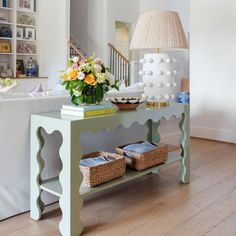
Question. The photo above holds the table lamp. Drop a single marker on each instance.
(158, 30)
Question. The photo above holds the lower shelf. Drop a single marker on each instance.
(53, 186)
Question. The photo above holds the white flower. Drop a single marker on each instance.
(101, 77)
(75, 59)
(111, 78)
(81, 76)
(98, 61)
(97, 68)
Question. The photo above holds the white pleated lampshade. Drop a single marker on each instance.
(159, 30)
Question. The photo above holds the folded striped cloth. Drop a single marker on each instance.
(91, 162)
(139, 147)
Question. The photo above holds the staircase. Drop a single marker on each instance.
(75, 51)
(119, 65)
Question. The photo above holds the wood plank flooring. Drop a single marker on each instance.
(156, 205)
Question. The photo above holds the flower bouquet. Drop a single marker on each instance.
(88, 80)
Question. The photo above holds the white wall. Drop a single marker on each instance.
(54, 37)
(121, 10)
(213, 57)
(88, 25)
(147, 5)
(93, 22)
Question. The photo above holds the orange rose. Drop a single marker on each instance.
(72, 75)
(90, 79)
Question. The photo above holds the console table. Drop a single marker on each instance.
(67, 186)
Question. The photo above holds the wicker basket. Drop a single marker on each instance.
(96, 175)
(145, 160)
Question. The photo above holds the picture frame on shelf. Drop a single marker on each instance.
(20, 33)
(20, 68)
(29, 33)
(26, 48)
(5, 46)
(26, 5)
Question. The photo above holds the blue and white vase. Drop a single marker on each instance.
(4, 3)
(184, 98)
(31, 68)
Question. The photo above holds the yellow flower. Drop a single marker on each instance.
(90, 79)
(72, 75)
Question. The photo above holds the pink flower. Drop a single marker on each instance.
(74, 66)
(69, 70)
(82, 62)
(97, 68)
(98, 61)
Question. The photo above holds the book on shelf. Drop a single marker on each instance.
(87, 108)
(88, 113)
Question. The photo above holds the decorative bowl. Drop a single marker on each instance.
(127, 103)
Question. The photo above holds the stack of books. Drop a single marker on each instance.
(87, 111)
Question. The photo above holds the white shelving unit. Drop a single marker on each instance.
(13, 13)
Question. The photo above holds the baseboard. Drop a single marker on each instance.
(214, 134)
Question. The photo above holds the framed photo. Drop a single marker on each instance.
(20, 69)
(30, 34)
(26, 48)
(20, 33)
(5, 47)
(26, 5)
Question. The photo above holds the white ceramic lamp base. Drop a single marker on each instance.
(159, 78)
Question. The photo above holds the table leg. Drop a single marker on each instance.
(70, 178)
(153, 135)
(36, 167)
(184, 143)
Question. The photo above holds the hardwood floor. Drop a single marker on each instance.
(156, 204)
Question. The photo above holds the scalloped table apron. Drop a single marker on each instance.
(67, 186)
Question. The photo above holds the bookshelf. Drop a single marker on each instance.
(24, 24)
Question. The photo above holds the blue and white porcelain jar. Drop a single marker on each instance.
(183, 97)
(31, 68)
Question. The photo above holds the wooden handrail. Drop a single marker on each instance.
(119, 53)
(76, 50)
(119, 64)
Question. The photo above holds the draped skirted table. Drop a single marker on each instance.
(67, 186)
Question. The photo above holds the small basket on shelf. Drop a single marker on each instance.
(95, 175)
(142, 161)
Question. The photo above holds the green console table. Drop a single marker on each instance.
(67, 186)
